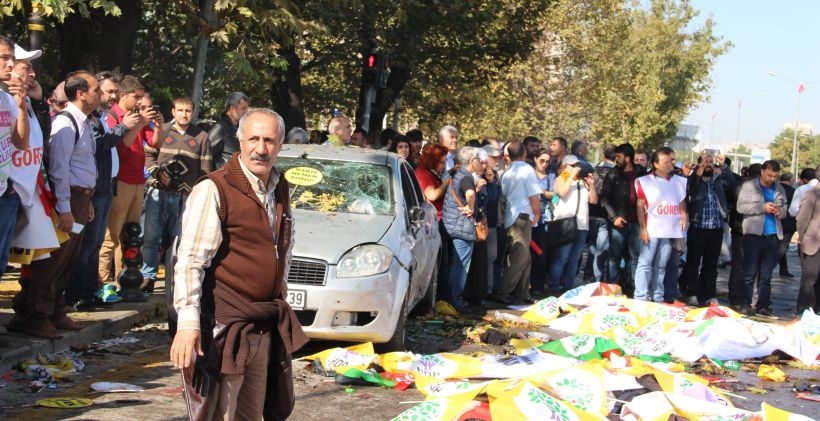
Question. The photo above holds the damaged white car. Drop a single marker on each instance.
(367, 244)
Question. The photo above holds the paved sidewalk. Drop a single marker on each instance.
(784, 290)
(111, 320)
(97, 324)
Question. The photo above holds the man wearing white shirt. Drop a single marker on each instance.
(14, 134)
(522, 208)
(807, 181)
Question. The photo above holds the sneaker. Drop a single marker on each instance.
(108, 294)
(747, 311)
(691, 301)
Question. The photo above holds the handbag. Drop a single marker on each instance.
(563, 230)
(481, 230)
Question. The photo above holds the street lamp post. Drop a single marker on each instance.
(800, 88)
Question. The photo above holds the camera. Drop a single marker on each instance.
(155, 108)
(585, 172)
(176, 170)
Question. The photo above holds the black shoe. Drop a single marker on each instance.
(786, 275)
(747, 311)
(506, 300)
(765, 312)
(525, 301)
(473, 310)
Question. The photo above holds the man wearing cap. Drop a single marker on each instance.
(39, 308)
(14, 134)
(37, 235)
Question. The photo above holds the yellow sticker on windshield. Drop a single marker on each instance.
(65, 402)
(303, 176)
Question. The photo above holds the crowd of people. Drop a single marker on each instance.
(658, 227)
(516, 218)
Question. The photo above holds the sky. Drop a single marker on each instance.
(782, 37)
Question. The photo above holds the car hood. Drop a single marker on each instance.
(327, 236)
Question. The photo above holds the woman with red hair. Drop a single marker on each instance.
(431, 175)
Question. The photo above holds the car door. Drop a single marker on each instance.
(419, 233)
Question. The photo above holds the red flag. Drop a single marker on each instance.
(800, 88)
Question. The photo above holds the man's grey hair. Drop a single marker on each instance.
(447, 130)
(297, 135)
(467, 154)
(234, 99)
(280, 132)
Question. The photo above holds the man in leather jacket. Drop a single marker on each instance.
(618, 200)
(223, 134)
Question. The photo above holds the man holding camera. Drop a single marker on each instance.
(81, 289)
(707, 189)
(180, 155)
(126, 182)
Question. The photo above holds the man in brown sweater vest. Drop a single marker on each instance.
(235, 330)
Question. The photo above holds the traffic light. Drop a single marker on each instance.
(375, 70)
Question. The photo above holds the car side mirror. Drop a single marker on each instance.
(416, 216)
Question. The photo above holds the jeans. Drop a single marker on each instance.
(624, 243)
(736, 271)
(670, 275)
(457, 275)
(565, 265)
(84, 278)
(759, 259)
(651, 270)
(163, 222)
(9, 205)
(598, 249)
(516, 278)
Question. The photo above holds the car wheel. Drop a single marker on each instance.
(428, 302)
(397, 341)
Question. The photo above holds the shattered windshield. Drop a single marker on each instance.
(338, 186)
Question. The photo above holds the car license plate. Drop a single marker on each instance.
(297, 298)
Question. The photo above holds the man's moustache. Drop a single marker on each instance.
(258, 157)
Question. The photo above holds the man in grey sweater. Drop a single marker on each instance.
(762, 203)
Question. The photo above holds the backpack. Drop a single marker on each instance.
(46, 144)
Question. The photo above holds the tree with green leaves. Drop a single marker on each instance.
(808, 150)
(607, 71)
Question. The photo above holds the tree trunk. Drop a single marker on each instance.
(207, 21)
(286, 90)
(102, 42)
(399, 75)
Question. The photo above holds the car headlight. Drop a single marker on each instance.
(364, 260)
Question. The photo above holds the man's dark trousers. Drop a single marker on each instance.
(759, 259)
(809, 295)
(701, 244)
(41, 297)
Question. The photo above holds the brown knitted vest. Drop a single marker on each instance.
(247, 260)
